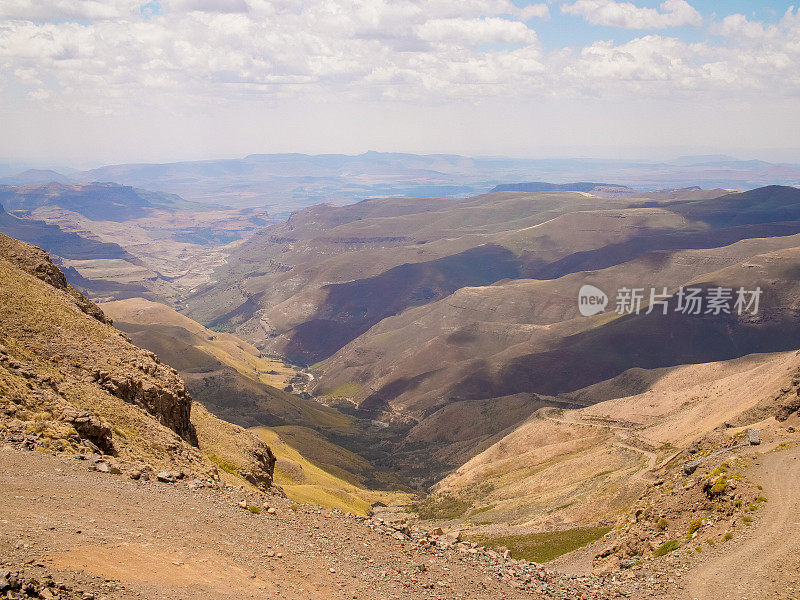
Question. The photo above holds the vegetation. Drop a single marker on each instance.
(543, 547)
(695, 525)
(346, 390)
(440, 507)
(304, 480)
(222, 464)
(666, 548)
(254, 509)
(662, 524)
(719, 486)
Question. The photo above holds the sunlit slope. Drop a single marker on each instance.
(304, 481)
(586, 465)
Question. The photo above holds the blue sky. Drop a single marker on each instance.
(118, 80)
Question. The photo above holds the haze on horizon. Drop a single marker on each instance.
(84, 83)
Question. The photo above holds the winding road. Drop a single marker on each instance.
(766, 565)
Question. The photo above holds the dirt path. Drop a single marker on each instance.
(645, 473)
(767, 563)
(115, 537)
(120, 538)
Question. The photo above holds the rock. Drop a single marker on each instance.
(136, 474)
(95, 433)
(168, 476)
(753, 437)
(271, 511)
(6, 580)
(102, 466)
(627, 563)
(790, 429)
(436, 532)
(451, 538)
(690, 467)
(242, 504)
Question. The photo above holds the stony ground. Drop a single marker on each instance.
(69, 532)
(108, 536)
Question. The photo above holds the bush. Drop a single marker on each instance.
(695, 525)
(666, 548)
(254, 509)
(728, 536)
(718, 486)
(662, 524)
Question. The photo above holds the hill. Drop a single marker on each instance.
(580, 186)
(235, 382)
(115, 241)
(436, 315)
(71, 383)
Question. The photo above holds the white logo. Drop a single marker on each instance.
(591, 300)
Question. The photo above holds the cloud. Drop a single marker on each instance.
(212, 6)
(428, 53)
(476, 31)
(68, 9)
(673, 13)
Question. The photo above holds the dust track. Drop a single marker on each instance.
(767, 562)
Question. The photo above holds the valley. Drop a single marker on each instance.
(420, 363)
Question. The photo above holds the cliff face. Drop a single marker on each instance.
(62, 365)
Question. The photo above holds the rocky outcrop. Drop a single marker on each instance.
(165, 396)
(35, 261)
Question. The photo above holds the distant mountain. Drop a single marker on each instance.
(54, 240)
(34, 176)
(429, 312)
(581, 186)
(287, 182)
(95, 201)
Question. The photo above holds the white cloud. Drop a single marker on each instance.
(422, 52)
(672, 13)
(68, 9)
(212, 6)
(476, 31)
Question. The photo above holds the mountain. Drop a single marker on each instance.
(581, 186)
(287, 182)
(95, 201)
(116, 241)
(313, 443)
(454, 320)
(62, 243)
(73, 384)
(34, 176)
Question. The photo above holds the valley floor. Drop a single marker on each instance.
(118, 538)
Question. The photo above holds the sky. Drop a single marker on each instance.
(87, 82)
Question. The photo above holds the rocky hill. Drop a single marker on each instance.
(72, 383)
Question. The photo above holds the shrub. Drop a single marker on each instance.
(254, 509)
(662, 524)
(718, 486)
(747, 520)
(728, 536)
(666, 548)
(695, 525)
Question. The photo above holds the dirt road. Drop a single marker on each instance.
(766, 564)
